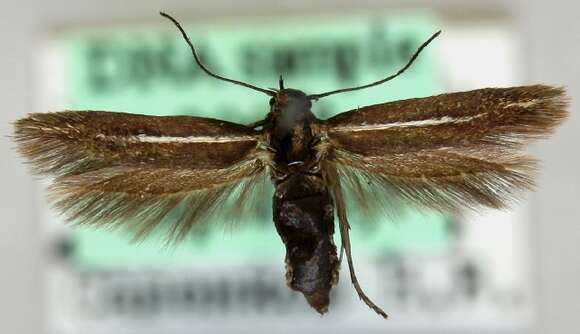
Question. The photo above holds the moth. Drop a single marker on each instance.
(449, 153)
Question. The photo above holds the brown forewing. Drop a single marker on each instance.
(447, 152)
(74, 142)
(487, 117)
(133, 170)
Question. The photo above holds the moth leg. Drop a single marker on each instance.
(341, 255)
(344, 234)
(320, 146)
(345, 239)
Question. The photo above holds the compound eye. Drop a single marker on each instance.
(272, 101)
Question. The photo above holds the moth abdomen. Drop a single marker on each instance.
(303, 215)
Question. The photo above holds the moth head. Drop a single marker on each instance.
(291, 106)
(292, 100)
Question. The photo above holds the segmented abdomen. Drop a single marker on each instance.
(303, 215)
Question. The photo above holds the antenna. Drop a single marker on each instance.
(415, 55)
(205, 69)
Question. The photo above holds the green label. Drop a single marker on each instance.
(150, 70)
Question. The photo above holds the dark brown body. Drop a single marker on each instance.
(303, 206)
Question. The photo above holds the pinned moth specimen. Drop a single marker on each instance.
(447, 153)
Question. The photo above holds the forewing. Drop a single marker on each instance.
(74, 142)
(447, 152)
(116, 169)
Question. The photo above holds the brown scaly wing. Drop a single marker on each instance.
(447, 152)
(118, 169)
